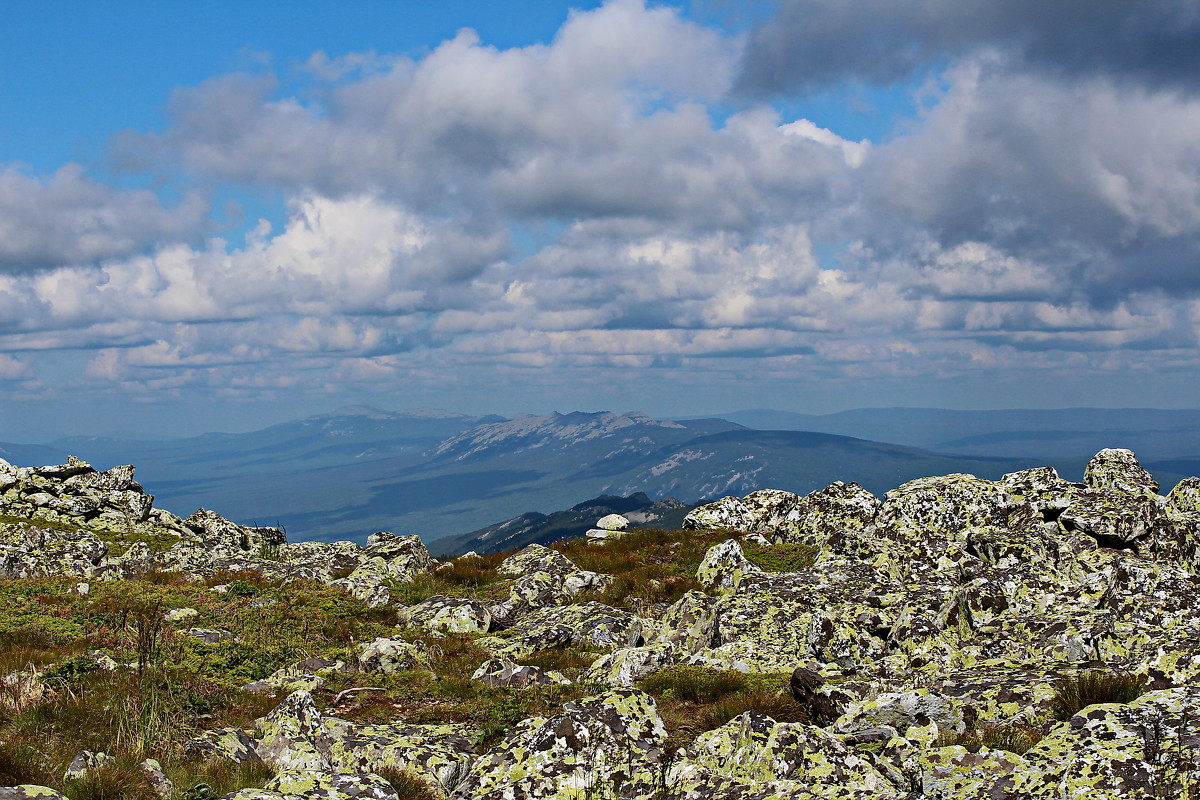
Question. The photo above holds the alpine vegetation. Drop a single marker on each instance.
(957, 638)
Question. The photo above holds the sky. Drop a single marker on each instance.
(221, 215)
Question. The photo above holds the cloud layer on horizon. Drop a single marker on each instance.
(554, 215)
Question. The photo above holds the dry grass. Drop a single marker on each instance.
(1015, 738)
(409, 785)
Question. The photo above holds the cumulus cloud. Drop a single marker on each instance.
(555, 214)
(1042, 187)
(467, 119)
(809, 44)
(68, 218)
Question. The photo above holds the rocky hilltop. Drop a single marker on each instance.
(958, 638)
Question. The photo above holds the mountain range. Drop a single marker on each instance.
(449, 476)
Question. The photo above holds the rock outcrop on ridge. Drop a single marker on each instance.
(74, 520)
(932, 628)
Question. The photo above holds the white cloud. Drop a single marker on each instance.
(68, 218)
(554, 213)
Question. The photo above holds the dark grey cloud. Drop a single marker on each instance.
(810, 44)
(1094, 185)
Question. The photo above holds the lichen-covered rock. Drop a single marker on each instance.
(1115, 470)
(218, 535)
(440, 755)
(592, 625)
(404, 556)
(1184, 499)
(1042, 488)
(545, 588)
(84, 762)
(296, 739)
(180, 614)
(535, 558)
(610, 740)
(22, 688)
(230, 743)
(1139, 751)
(29, 791)
(390, 655)
(728, 513)
(689, 623)
(724, 566)
(158, 780)
(366, 582)
(293, 736)
(830, 517)
(31, 551)
(925, 516)
(311, 784)
(821, 702)
(335, 556)
(1116, 520)
(752, 756)
(627, 666)
(448, 615)
(308, 674)
(502, 672)
(956, 773)
(545, 578)
(832, 615)
(210, 635)
(902, 711)
(600, 535)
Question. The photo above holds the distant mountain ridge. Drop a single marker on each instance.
(1154, 433)
(442, 474)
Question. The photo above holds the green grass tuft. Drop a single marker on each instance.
(1075, 693)
(780, 557)
(695, 684)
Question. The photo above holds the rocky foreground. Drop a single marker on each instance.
(928, 640)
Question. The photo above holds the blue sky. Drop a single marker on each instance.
(222, 215)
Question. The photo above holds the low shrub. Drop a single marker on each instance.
(241, 588)
(1076, 692)
(68, 672)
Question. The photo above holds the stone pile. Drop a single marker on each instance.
(74, 520)
(613, 526)
(952, 604)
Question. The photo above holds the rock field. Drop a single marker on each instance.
(928, 642)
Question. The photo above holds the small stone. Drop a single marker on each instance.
(178, 614)
(84, 762)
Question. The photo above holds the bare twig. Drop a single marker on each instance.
(345, 692)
